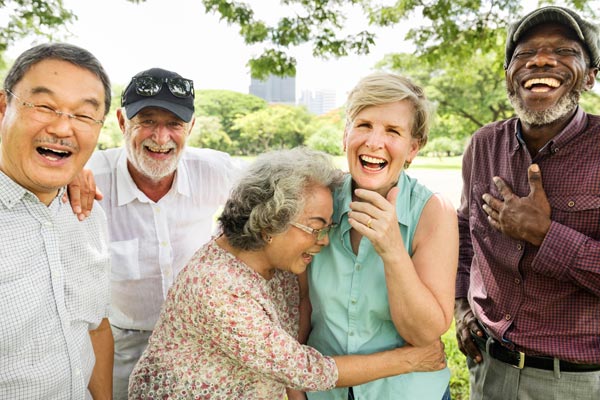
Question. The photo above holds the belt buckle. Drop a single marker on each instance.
(521, 361)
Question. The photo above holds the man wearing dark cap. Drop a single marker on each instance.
(160, 198)
(528, 286)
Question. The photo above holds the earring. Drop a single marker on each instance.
(407, 164)
(269, 239)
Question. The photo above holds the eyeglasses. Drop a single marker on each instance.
(46, 114)
(319, 234)
(149, 86)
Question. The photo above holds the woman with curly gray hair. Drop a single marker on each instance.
(229, 327)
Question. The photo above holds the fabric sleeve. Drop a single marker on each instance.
(246, 330)
(570, 256)
(465, 254)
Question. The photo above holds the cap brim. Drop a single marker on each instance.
(182, 112)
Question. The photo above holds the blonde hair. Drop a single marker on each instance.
(383, 87)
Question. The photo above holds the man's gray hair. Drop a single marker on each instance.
(271, 194)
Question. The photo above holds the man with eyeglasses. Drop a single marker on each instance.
(55, 339)
(160, 198)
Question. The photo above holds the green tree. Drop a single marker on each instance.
(208, 132)
(227, 106)
(32, 17)
(111, 134)
(449, 30)
(277, 126)
(326, 132)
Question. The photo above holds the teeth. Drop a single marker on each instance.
(372, 160)
(55, 151)
(158, 149)
(542, 81)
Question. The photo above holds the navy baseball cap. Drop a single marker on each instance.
(158, 87)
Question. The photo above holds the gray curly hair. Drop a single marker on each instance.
(271, 194)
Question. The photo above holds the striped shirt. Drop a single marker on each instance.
(54, 288)
(540, 300)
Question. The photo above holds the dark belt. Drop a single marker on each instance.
(519, 360)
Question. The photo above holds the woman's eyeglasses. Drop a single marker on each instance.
(149, 86)
(319, 234)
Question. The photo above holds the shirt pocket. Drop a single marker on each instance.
(20, 301)
(124, 260)
(579, 211)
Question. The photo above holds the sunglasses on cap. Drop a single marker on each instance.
(149, 86)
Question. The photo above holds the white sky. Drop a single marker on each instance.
(178, 35)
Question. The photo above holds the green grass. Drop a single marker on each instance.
(459, 378)
(420, 162)
(437, 162)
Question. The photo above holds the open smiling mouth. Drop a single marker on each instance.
(371, 163)
(159, 150)
(53, 155)
(541, 84)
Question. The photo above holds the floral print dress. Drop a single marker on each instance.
(227, 333)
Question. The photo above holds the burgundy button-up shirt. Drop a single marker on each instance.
(540, 300)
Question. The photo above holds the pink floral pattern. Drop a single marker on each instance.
(227, 333)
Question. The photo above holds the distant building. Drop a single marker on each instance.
(275, 89)
(319, 101)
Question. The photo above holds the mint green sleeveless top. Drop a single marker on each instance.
(350, 311)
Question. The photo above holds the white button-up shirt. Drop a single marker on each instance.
(151, 242)
(54, 288)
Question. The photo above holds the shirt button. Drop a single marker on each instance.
(168, 272)
(353, 300)
(358, 267)
(157, 210)
(519, 247)
(571, 203)
(517, 281)
(507, 317)
(351, 333)
(163, 244)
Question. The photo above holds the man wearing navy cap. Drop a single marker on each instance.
(160, 198)
(528, 286)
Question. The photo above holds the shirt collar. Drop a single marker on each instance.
(575, 126)
(127, 190)
(343, 197)
(11, 192)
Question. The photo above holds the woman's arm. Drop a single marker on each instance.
(421, 288)
(358, 369)
(243, 329)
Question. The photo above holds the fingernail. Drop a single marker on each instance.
(535, 168)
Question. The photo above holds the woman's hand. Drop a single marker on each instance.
(375, 218)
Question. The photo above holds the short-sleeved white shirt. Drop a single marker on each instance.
(151, 242)
(54, 288)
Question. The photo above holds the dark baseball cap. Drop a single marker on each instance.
(587, 32)
(158, 87)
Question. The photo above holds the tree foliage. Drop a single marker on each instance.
(449, 30)
(32, 17)
(277, 126)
